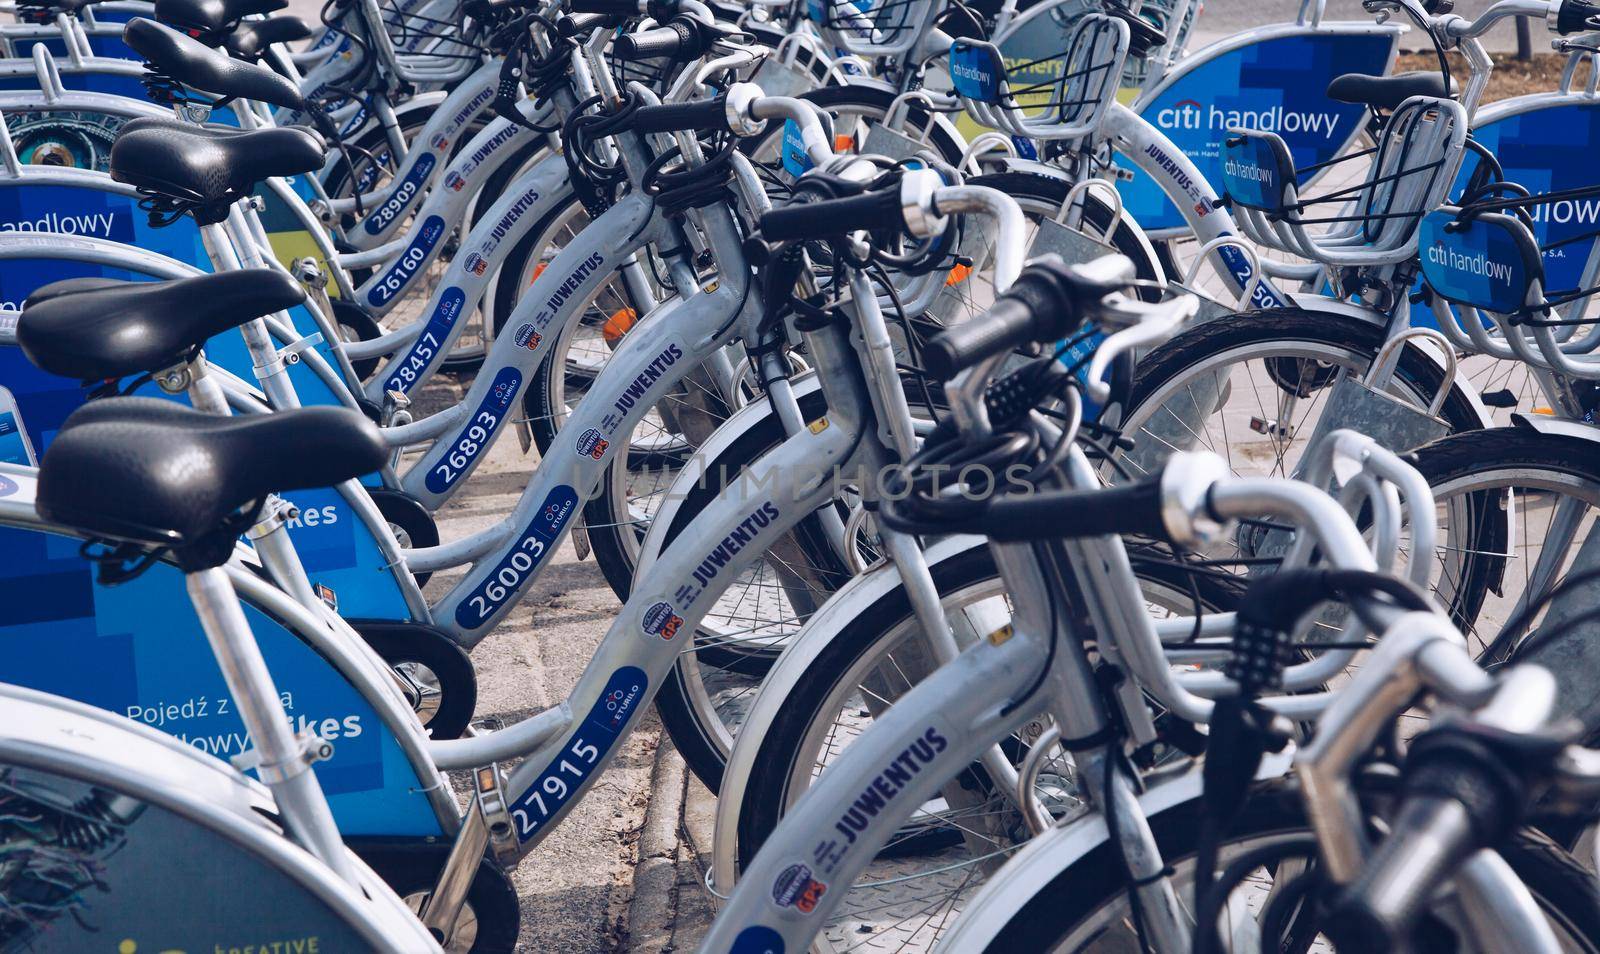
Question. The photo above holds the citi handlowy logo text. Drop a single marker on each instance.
(1480, 264)
(1190, 114)
(1248, 170)
(1567, 212)
(92, 223)
(973, 74)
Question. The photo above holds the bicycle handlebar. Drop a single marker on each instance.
(1576, 16)
(743, 111)
(610, 8)
(1560, 16)
(1048, 302)
(1135, 508)
(1433, 835)
(703, 115)
(1465, 788)
(802, 221)
(682, 39)
(575, 24)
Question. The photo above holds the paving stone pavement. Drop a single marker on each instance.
(578, 887)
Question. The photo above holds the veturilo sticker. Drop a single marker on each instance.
(518, 566)
(400, 273)
(479, 432)
(624, 693)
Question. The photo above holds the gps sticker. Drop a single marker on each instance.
(592, 445)
(795, 888)
(661, 620)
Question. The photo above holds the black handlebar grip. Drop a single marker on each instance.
(1055, 514)
(610, 8)
(677, 39)
(800, 221)
(575, 24)
(705, 115)
(1577, 16)
(1010, 323)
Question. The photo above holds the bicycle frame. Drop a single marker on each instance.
(1177, 177)
(524, 204)
(680, 334)
(408, 256)
(880, 779)
(423, 164)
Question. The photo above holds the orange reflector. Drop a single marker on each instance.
(844, 142)
(958, 275)
(1543, 410)
(537, 271)
(618, 324)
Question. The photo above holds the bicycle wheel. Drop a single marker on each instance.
(1515, 507)
(919, 883)
(1251, 387)
(1086, 908)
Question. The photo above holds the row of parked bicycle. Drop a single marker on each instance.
(1050, 517)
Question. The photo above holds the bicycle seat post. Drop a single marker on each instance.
(280, 758)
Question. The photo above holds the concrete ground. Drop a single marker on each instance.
(619, 874)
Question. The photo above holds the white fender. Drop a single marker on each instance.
(794, 665)
(714, 447)
(1044, 858)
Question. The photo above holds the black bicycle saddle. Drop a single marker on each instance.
(251, 38)
(96, 329)
(212, 16)
(156, 474)
(1388, 92)
(207, 167)
(196, 66)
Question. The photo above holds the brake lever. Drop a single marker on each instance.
(1148, 324)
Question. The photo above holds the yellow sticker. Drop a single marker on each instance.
(818, 426)
(713, 286)
(1000, 635)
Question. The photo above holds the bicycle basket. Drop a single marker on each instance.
(426, 42)
(873, 28)
(1374, 222)
(1044, 26)
(1061, 96)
